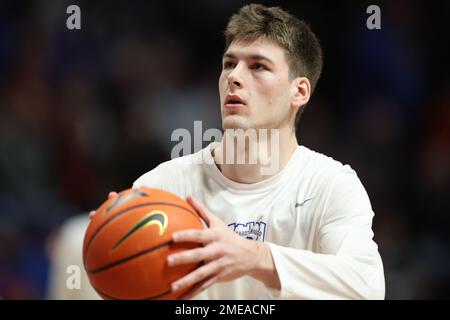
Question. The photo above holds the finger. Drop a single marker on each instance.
(203, 236)
(112, 194)
(191, 256)
(201, 209)
(191, 293)
(91, 214)
(209, 282)
(198, 288)
(196, 276)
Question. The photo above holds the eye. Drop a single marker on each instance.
(229, 64)
(258, 66)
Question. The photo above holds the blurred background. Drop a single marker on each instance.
(84, 112)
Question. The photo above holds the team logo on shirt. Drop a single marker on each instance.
(252, 230)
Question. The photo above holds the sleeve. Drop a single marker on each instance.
(166, 177)
(152, 179)
(348, 265)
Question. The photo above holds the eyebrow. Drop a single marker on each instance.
(252, 57)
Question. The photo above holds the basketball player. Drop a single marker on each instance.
(65, 252)
(300, 232)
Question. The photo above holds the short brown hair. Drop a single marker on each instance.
(303, 51)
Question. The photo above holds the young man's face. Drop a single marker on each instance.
(255, 91)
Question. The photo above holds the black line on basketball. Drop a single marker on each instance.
(136, 255)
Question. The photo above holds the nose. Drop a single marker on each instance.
(235, 77)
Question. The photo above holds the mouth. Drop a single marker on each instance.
(233, 101)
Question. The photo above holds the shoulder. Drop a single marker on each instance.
(336, 181)
(341, 189)
(170, 172)
(323, 167)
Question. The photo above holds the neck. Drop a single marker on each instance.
(246, 159)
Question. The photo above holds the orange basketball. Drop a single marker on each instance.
(128, 240)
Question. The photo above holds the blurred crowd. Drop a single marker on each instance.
(84, 112)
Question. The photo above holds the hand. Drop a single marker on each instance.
(226, 255)
(112, 194)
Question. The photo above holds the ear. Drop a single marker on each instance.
(301, 92)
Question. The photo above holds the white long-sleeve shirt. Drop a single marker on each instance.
(314, 214)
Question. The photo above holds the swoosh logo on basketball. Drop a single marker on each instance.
(156, 217)
(300, 204)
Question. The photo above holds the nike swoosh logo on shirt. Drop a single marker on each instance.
(298, 204)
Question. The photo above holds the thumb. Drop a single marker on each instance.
(201, 209)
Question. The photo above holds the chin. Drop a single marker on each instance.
(235, 122)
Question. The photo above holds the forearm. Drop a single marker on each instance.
(307, 275)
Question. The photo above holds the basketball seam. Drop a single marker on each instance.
(115, 263)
